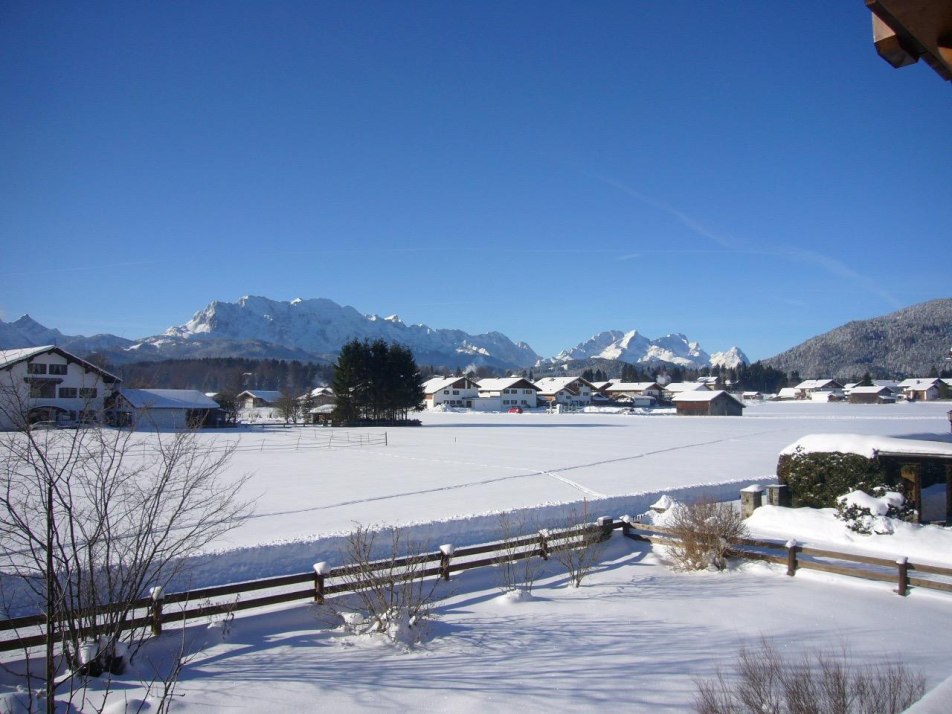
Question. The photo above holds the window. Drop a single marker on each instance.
(455, 391)
(446, 391)
(36, 368)
(68, 392)
(87, 392)
(43, 390)
(58, 369)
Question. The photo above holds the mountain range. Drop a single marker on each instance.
(314, 330)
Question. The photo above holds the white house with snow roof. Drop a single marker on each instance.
(567, 391)
(820, 389)
(459, 392)
(258, 398)
(634, 389)
(925, 389)
(50, 384)
(164, 409)
(503, 393)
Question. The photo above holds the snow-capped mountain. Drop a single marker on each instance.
(317, 328)
(635, 348)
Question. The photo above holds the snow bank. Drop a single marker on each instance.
(867, 445)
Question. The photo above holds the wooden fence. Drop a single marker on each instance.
(795, 557)
(153, 613)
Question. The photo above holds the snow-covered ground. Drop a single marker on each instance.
(635, 634)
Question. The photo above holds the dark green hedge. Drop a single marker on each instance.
(816, 479)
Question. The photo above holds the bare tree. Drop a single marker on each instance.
(518, 565)
(288, 407)
(91, 518)
(578, 546)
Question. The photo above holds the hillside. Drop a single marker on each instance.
(908, 342)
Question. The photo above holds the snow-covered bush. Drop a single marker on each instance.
(703, 531)
(872, 513)
(817, 479)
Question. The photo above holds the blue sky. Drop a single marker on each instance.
(747, 173)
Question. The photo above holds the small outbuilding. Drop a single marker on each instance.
(706, 403)
(871, 395)
(164, 409)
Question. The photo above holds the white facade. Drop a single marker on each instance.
(511, 392)
(50, 384)
(457, 392)
(567, 391)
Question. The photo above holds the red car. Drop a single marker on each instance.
(515, 410)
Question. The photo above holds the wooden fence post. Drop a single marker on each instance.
(607, 525)
(320, 572)
(156, 614)
(544, 544)
(903, 567)
(446, 552)
(626, 526)
(792, 557)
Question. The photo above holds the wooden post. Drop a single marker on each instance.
(156, 615)
(626, 526)
(320, 573)
(544, 544)
(903, 567)
(446, 552)
(948, 491)
(911, 476)
(792, 557)
(607, 525)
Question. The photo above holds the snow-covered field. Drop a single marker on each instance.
(635, 634)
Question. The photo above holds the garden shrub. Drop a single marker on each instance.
(817, 479)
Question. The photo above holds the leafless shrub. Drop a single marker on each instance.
(703, 531)
(518, 565)
(766, 682)
(386, 576)
(579, 546)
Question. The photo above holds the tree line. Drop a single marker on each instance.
(376, 381)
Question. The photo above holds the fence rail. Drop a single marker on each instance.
(153, 613)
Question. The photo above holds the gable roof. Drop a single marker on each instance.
(167, 399)
(497, 383)
(8, 358)
(705, 396)
(819, 384)
(268, 395)
(435, 384)
(682, 387)
(553, 385)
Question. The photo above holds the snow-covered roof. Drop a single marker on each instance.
(788, 393)
(919, 382)
(435, 384)
(680, 387)
(632, 386)
(268, 395)
(554, 385)
(868, 390)
(9, 358)
(168, 399)
(703, 396)
(818, 384)
(868, 446)
(495, 383)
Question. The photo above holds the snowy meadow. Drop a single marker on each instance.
(636, 633)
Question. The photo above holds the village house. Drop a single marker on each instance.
(672, 389)
(821, 390)
(871, 395)
(925, 389)
(570, 392)
(49, 384)
(164, 409)
(503, 393)
(708, 403)
(632, 390)
(258, 398)
(319, 397)
(452, 391)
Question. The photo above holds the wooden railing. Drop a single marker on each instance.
(149, 612)
(796, 557)
(320, 583)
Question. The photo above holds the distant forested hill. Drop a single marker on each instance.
(911, 342)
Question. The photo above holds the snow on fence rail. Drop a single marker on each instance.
(154, 612)
(321, 581)
(796, 557)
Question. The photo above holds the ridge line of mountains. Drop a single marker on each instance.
(910, 341)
